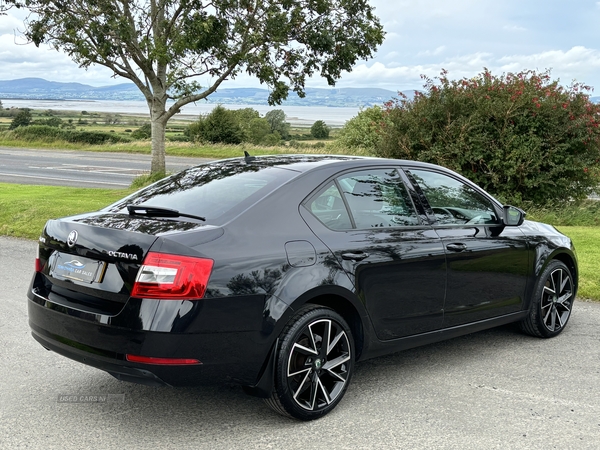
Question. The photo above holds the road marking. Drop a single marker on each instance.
(61, 179)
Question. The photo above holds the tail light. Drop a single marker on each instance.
(38, 263)
(172, 277)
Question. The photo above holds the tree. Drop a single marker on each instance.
(164, 45)
(522, 136)
(276, 119)
(319, 130)
(219, 126)
(22, 119)
(363, 130)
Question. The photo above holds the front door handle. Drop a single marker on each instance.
(457, 247)
(355, 256)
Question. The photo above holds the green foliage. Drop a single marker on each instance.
(271, 139)
(22, 119)
(363, 131)
(164, 47)
(219, 126)
(276, 119)
(522, 137)
(51, 122)
(258, 129)
(319, 130)
(48, 134)
(143, 132)
(147, 179)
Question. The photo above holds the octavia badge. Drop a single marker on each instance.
(72, 238)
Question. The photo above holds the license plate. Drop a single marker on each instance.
(76, 268)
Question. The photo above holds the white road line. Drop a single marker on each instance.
(61, 179)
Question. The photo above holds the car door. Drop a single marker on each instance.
(487, 262)
(397, 263)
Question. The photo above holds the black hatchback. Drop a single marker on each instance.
(281, 272)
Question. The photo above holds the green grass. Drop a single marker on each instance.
(184, 148)
(586, 241)
(585, 213)
(25, 209)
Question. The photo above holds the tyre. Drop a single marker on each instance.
(315, 361)
(552, 302)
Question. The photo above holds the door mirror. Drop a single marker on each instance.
(513, 216)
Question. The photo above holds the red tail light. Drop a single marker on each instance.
(38, 265)
(172, 277)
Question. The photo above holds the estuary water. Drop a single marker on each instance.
(296, 115)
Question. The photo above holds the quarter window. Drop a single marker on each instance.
(329, 208)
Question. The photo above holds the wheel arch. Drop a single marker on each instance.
(345, 303)
(568, 259)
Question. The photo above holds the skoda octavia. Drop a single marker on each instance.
(281, 272)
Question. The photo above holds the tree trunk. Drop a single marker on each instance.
(158, 146)
(158, 125)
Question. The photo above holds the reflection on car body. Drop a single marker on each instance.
(281, 272)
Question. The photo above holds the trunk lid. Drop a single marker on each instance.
(90, 262)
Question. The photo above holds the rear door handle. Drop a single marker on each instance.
(458, 247)
(355, 256)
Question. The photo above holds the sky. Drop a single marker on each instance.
(422, 37)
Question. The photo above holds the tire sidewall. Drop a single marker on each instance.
(536, 306)
(289, 335)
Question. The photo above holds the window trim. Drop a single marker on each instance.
(400, 177)
(496, 205)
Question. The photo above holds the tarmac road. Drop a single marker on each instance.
(79, 169)
(496, 389)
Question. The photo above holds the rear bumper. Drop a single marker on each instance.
(142, 328)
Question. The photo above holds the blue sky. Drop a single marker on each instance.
(462, 36)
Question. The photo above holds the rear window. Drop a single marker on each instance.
(214, 191)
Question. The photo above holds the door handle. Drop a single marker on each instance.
(355, 256)
(457, 247)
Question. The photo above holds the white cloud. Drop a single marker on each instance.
(514, 28)
(439, 50)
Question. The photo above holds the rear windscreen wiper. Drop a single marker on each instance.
(157, 211)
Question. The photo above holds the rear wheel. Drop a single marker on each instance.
(552, 302)
(314, 364)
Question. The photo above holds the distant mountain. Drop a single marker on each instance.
(38, 88)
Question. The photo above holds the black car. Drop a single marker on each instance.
(281, 272)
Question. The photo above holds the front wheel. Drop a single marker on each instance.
(552, 303)
(314, 364)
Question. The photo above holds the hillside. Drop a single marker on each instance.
(38, 88)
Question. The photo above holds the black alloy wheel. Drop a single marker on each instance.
(552, 303)
(314, 364)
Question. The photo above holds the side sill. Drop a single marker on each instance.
(379, 348)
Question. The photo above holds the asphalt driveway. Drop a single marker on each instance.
(496, 389)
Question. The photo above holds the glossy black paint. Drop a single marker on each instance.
(417, 284)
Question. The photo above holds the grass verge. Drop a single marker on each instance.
(588, 254)
(25, 209)
(186, 148)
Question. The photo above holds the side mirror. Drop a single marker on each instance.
(513, 216)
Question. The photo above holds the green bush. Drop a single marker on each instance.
(47, 133)
(522, 136)
(363, 131)
(144, 132)
(22, 119)
(178, 138)
(276, 119)
(319, 130)
(219, 126)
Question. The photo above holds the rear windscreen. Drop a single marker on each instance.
(211, 191)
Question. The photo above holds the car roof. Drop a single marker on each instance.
(306, 162)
